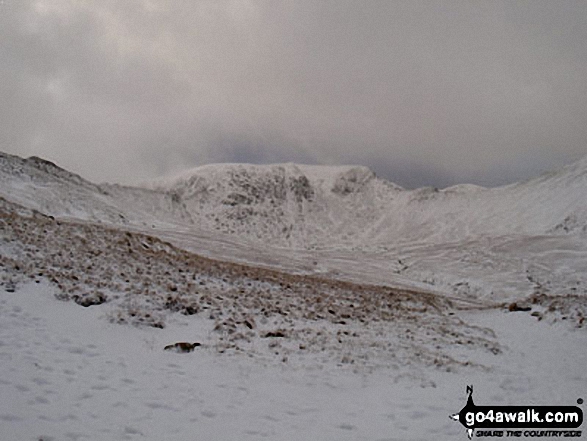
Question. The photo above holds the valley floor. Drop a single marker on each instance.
(70, 374)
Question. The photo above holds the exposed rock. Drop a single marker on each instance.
(182, 347)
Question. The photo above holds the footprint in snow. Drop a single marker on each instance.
(346, 426)
(128, 430)
(40, 381)
(9, 418)
(418, 415)
(40, 400)
(156, 405)
(208, 414)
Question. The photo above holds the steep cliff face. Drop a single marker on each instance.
(282, 204)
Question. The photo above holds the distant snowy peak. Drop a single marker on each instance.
(38, 169)
(252, 178)
(285, 204)
(579, 166)
(463, 188)
(43, 186)
(573, 173)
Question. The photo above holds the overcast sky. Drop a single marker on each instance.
(424, 93)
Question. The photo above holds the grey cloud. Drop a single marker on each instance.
(426, 93)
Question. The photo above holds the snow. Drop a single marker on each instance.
(68, 373)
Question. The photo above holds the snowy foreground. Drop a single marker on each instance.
(70, 374)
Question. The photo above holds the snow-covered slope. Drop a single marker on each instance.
(305, 206)
(69, 374)
(43, 186)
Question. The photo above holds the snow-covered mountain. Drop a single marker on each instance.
(337, 306)
(303, 206)
(283, 204)
(343, 222)
(43, 186)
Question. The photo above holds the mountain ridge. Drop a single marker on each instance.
(307, 206)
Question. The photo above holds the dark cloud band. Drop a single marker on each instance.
(426, 93)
